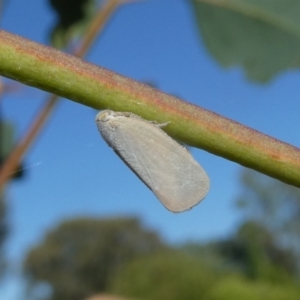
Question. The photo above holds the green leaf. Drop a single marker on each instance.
(262, 36)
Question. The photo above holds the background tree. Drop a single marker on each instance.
(266, 245)
(234, 287)
(80, 257)
(174, 275)
(165, 276)
(253, 251)
(274, 205)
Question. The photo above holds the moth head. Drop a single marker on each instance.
(105, 116)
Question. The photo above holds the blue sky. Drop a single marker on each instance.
(71, 172)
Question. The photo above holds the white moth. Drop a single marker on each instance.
(165, 166)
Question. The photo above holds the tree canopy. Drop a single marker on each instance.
(80, 257)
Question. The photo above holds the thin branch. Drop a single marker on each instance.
(98, 23)
(11, 163)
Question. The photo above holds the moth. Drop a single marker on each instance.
(166, 167)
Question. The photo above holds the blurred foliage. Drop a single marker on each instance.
(73, 16)
(255, 247)
(7, 139)
(252, 252)
(233, 287)
(80, 257)
(165, 276)
(69, 11)
(273, 204)
(260, 36)
(174, 275)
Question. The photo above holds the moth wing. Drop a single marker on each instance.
(166, 167)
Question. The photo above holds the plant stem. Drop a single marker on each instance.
(70, 77)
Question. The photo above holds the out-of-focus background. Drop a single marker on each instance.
(77, 223)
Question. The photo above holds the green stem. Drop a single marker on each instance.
(71, 77)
